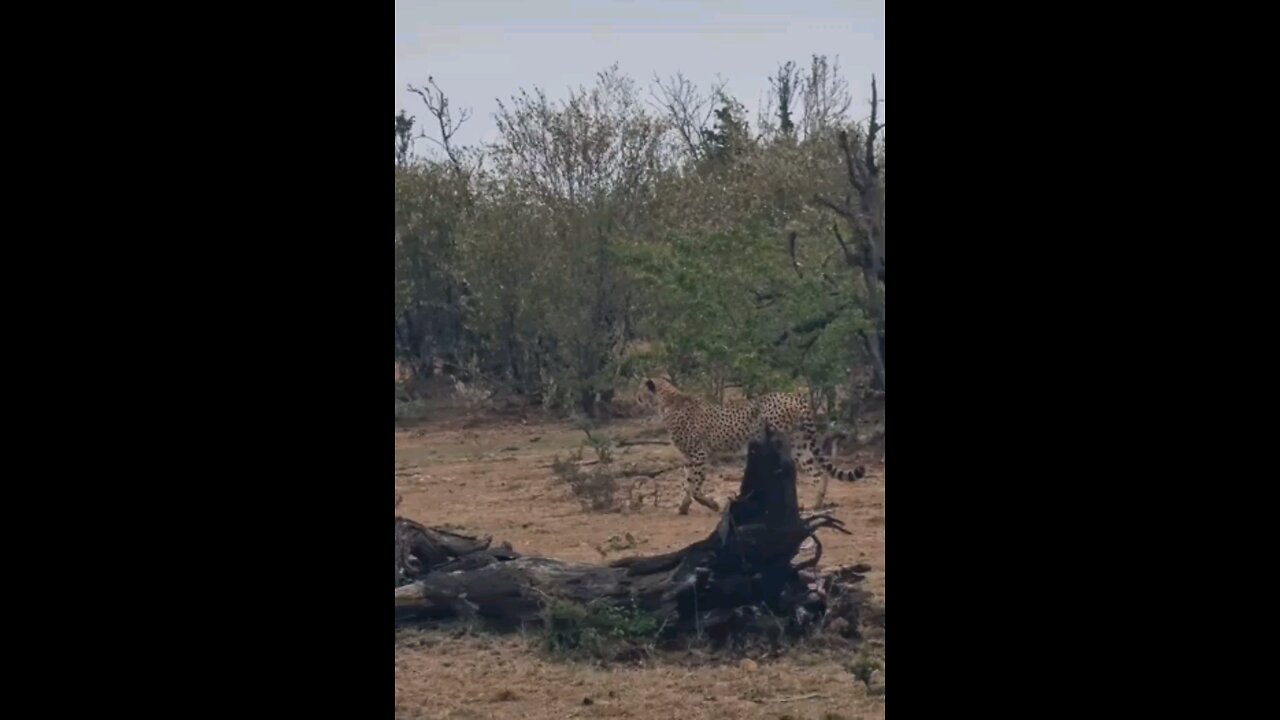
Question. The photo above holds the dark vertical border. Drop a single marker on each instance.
(276, 500)
(1000, 341)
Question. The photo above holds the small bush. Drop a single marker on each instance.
(863, 668)
(595, 489)
(598, 630)
(411, 411)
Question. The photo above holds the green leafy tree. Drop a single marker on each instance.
(605, 219)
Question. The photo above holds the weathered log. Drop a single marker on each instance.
(715, 584)
(421, 550)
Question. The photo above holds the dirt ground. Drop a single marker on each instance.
(494, 477)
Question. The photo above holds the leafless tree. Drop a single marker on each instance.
(778, 113)
(438, 105)
(687, 109)
(863, 209)
(826, 97)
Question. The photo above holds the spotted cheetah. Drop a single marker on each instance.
(699, 428)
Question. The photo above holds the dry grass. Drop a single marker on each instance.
(478, 676)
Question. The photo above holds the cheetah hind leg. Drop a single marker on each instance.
(693, 485)
(810, 463)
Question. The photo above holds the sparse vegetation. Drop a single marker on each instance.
(595, 488)
(864, 668)
(411, 411)
(598, 631)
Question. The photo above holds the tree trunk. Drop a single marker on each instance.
(874, 348)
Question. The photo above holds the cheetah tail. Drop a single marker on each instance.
(857, 473)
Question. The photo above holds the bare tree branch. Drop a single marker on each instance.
(826, 96)
(791, 249)
(843, 212)
(438, 105)
(424, 136)
(852, 167)
(765, 299)
(849, 257)
(777, 116)
(686, 108)
(872, 129)
(812, 324)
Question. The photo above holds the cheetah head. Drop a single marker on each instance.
(648, 395)
(651, 394)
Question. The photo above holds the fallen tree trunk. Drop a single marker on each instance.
(744, 567)
(421, 550)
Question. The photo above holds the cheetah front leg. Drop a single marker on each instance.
(696, 474)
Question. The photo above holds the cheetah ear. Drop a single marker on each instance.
(649, 384)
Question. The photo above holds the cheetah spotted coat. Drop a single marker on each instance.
(699, 429)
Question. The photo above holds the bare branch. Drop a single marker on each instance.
(626, 442)
(687, 109)
(841, 211)
(812, 324)
(826, 96)
(631, 472)
(778, 115)
(424, 136)
(856, 219)
(791, 249)
(849, 257)
(850, 164)
(872, 129)
(438, 105)
(826, 260)
(765, 299)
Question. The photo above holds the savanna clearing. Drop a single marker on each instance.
(493, 474)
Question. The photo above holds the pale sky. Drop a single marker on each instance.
(481, 50)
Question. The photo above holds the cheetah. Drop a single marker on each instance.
(699, 428)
